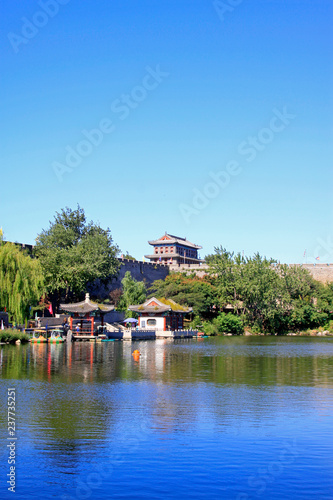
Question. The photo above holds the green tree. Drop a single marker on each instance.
(254, 288)
(134, 292)
(264, 295)
(128, 256)
(226, 268)
(188, 290)
(270, 297)
(21, 282)
(73, 253)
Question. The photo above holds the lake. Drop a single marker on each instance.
(218, 418)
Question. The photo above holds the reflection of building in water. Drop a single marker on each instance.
(160, 314)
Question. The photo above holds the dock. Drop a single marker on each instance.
(132, 335)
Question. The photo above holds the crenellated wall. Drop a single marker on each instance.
(320, 272)
(141, 271)
(149, 272)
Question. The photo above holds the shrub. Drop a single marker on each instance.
(209, 328)
(229, 323)
(196, 323)
(12, 335)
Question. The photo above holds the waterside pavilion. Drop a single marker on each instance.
(160, 314)
(85, 313)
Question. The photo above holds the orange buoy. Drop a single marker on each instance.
(136, 355)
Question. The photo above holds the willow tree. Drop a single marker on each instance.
(134, 292)
(21, 282)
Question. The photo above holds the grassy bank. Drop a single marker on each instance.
(11, 336)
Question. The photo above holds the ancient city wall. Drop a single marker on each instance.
(320, 272)
(141, 271)
(149, 272)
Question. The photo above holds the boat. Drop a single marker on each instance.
(56, 337)
(38, 340)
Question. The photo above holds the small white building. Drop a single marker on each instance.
(160, 314)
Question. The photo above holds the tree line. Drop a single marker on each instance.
(253, 292)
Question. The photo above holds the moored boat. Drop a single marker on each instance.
(38, 338)
(56, 337)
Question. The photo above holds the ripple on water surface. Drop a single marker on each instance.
(217, 418)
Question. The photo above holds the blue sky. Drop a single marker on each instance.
(205, 119)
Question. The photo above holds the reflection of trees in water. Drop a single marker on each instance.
(71, 419)
(74, 411)
(225, 361)
(240, 361)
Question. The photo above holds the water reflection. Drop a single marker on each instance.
(189, 418)
(221, 361)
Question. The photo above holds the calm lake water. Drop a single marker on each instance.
(221, 418)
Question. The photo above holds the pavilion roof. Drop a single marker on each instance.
(169, 238)
(155, 306)
(86, 306)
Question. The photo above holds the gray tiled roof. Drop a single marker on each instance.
(160, 307)
(174, 239)
(86, 306)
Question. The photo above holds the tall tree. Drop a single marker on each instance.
(74, 252)
(21, 282)
(225, 267)
(264, 295)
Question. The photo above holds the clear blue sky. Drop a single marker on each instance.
(184, 94)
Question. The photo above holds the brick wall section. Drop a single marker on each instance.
(199, 270)
(320, 272)
(148, 272)
(141, 271)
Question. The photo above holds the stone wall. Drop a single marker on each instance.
(320, 272)
(148, 272)
(199, 270)
(141, 271)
